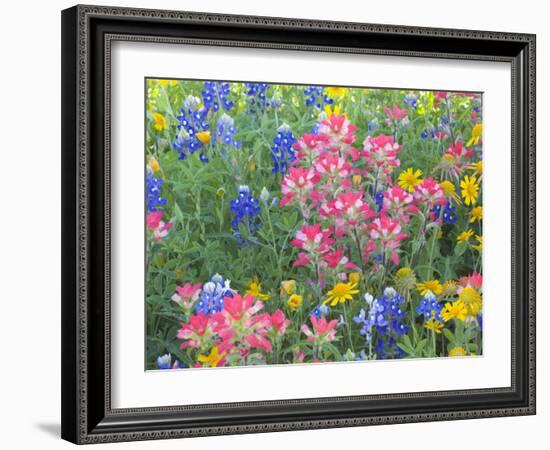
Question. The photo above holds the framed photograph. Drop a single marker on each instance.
(281, 224)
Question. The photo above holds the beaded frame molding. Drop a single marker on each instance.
(87, 35)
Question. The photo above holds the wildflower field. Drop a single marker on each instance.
(298, 224)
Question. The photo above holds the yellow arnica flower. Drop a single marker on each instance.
(449, 190)
(449, 288)
(333, 91)
(354, 277)
(433, 286)
(213, 359)
(336, 111)
(477, 131)
(477, 168)
(204, 137)
(341, 292)
(255, 289)
(470, 190)
(165, 83)
(456, 310)
(409, 178)
(288, 287)
(457, 351)
(160, 121)
(433, 325)
(405, 279)
(479, 245)
(154, 165)
(471, 299)
(477, 214)
(295, 301)
(465, 236)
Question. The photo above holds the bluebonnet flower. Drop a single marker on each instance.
(385, 316)
(379, 199)
(225, 132)
(428, 132)
(215, 95)
(410, 99)
(373, 125)
(165, 362)
(192, 120)
(212, 295)
(282, 152)
(256, 96)
(320, 311)
(449, 213)
(246, 209)
(316, 97)
(430, 308)
(153, 191)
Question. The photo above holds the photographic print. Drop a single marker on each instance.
(310, 224)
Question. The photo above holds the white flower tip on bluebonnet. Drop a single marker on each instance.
(368, 298)
(191, 102)
(209, 287)
(244, 188)
(264, 195)
(164, 361)
(284, 128)
(216, 278)
(429, 295)
(389, 292)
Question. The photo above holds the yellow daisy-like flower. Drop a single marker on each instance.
(449, 190)
(465, 236)
(471, 299)
(255, 289)
(288, 287)
(341, 292)
(334, 91)
(457, 351)
(477, 214)
(160, 121)
(154, 165)
(357, 179)
(455, 310)
(336, 111)
(479, 245)
(470, 190)
(449, 288)
(433, 286)
(165, 83)
(295, 301)
(405, 279)
(354, 277)
(433, 325)
(204, 137)
(409, 178)
(212, 359)
(477, 132)
(477, 168)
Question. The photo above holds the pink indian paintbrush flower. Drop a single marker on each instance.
(429, 192)
(339, 129)
(381, 152)
(157, 226)
(387, 233)
(395, 113)
(196, 332)
(298, 183)
(187, 294)
(323, 330)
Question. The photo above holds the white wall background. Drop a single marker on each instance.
(30, 221)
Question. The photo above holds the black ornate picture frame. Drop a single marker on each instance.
(87, 35)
